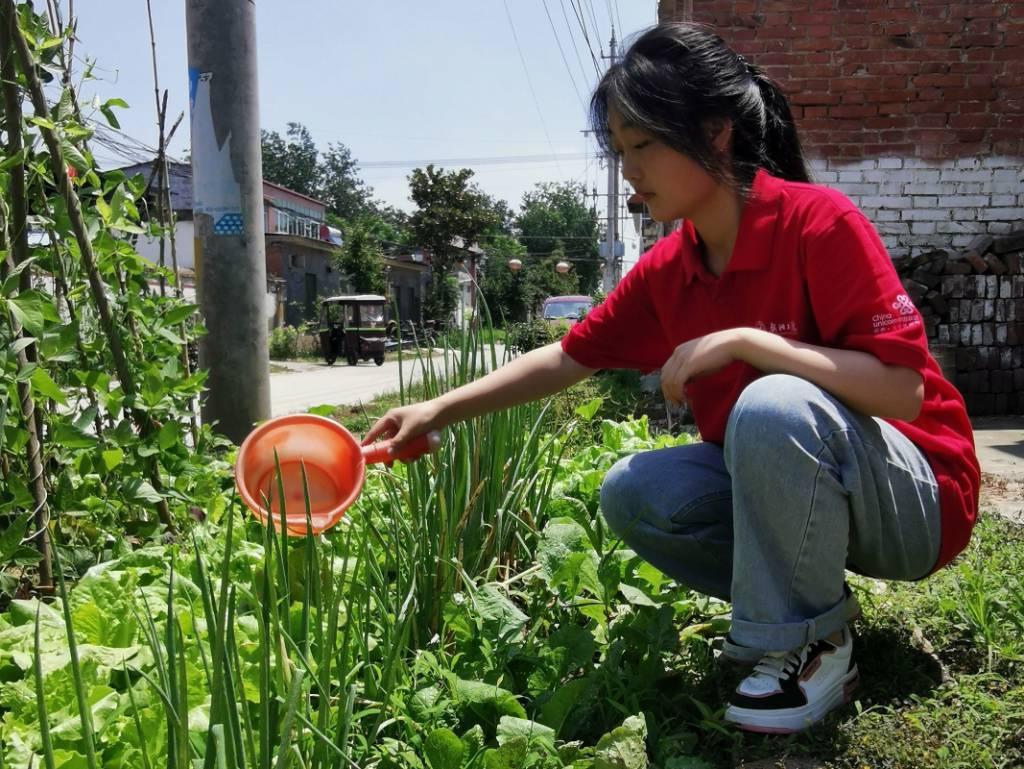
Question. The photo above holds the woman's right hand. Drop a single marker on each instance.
(404, 423)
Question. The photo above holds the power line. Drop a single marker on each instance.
(554, 157)
(529, 81)
(578, 12)
(597, 27)
(572, 37)
(562, 52)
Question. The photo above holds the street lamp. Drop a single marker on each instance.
(515, 264)
(562, 267)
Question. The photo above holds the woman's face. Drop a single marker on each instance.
(672, 185)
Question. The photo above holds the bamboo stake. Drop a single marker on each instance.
(74, 208)
(164, 211)
(16, 252)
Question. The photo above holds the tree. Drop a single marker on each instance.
(555, 213)
(449, 208)
(331, 176)
(345, 194)
(293, 163)
(360, 258)
(504, 289)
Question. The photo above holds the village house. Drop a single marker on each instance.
(300, 247)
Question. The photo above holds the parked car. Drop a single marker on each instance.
(353, 328)
(569, 309)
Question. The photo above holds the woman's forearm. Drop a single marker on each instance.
(536, 374)
(857, 378)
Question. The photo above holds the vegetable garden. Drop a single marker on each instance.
(470, 612)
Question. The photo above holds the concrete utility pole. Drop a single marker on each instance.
(613, 261)
(227, 183)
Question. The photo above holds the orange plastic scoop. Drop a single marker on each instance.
(334, 462)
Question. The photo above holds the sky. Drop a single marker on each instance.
(393, 80)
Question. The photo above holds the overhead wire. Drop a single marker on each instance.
(554, 157)
(597, 27)
(572, 37)
(565, 61)
(529, 80)
(577, 11)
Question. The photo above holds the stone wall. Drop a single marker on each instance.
(972, 303)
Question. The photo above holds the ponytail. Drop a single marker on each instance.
(781, 154)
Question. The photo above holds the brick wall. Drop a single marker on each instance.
(914, 108)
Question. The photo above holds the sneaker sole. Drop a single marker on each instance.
(795, 719)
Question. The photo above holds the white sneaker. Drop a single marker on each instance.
(739, 656)
(790, 691)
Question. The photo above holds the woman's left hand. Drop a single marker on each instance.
(696, 358)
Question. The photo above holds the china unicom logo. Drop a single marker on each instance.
(904, 305)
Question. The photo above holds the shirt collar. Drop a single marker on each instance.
(753, 241)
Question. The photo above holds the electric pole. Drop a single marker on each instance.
(613, 261)
(227, 183)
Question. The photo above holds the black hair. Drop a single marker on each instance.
(679, 81)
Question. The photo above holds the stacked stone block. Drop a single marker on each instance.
(972, 303)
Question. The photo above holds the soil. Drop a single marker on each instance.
(1004, 495)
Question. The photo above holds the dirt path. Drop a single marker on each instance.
(1000, 444)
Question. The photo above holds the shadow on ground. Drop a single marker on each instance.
(892, 670)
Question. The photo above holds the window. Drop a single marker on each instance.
(297, 261)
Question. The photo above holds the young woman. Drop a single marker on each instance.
(830, 441)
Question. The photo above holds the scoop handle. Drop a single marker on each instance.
(414, 449)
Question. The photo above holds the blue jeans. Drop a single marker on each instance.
(803, 489)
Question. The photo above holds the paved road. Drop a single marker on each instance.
(314, 383)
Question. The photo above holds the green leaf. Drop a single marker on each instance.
(510, 728)
(444, 750)
(45, 386)
(33, 310)
(110, 116)
(498, 612)
(73, 156)
(589, 409)
(139, 490)
(177, 315)
(635, 595)
(71, 436)
(559, 539)
(86, 418)
(168, 436)
(22, 343)
(12, 281)
(488, 701)
(473, 739)
(170, 336)
(554, 712)
(10, 538)
(103, 208)
(623, 747)
(112, 458)
(26, 556)
(511, 755)
(17, 159)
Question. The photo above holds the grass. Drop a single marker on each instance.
(942, 679)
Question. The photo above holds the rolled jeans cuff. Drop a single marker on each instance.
(789, 635)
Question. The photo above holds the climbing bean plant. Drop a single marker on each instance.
(98, 439)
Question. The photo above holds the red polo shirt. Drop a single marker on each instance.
(809, 266)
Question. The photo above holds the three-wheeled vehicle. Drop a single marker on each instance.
(353, 327)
